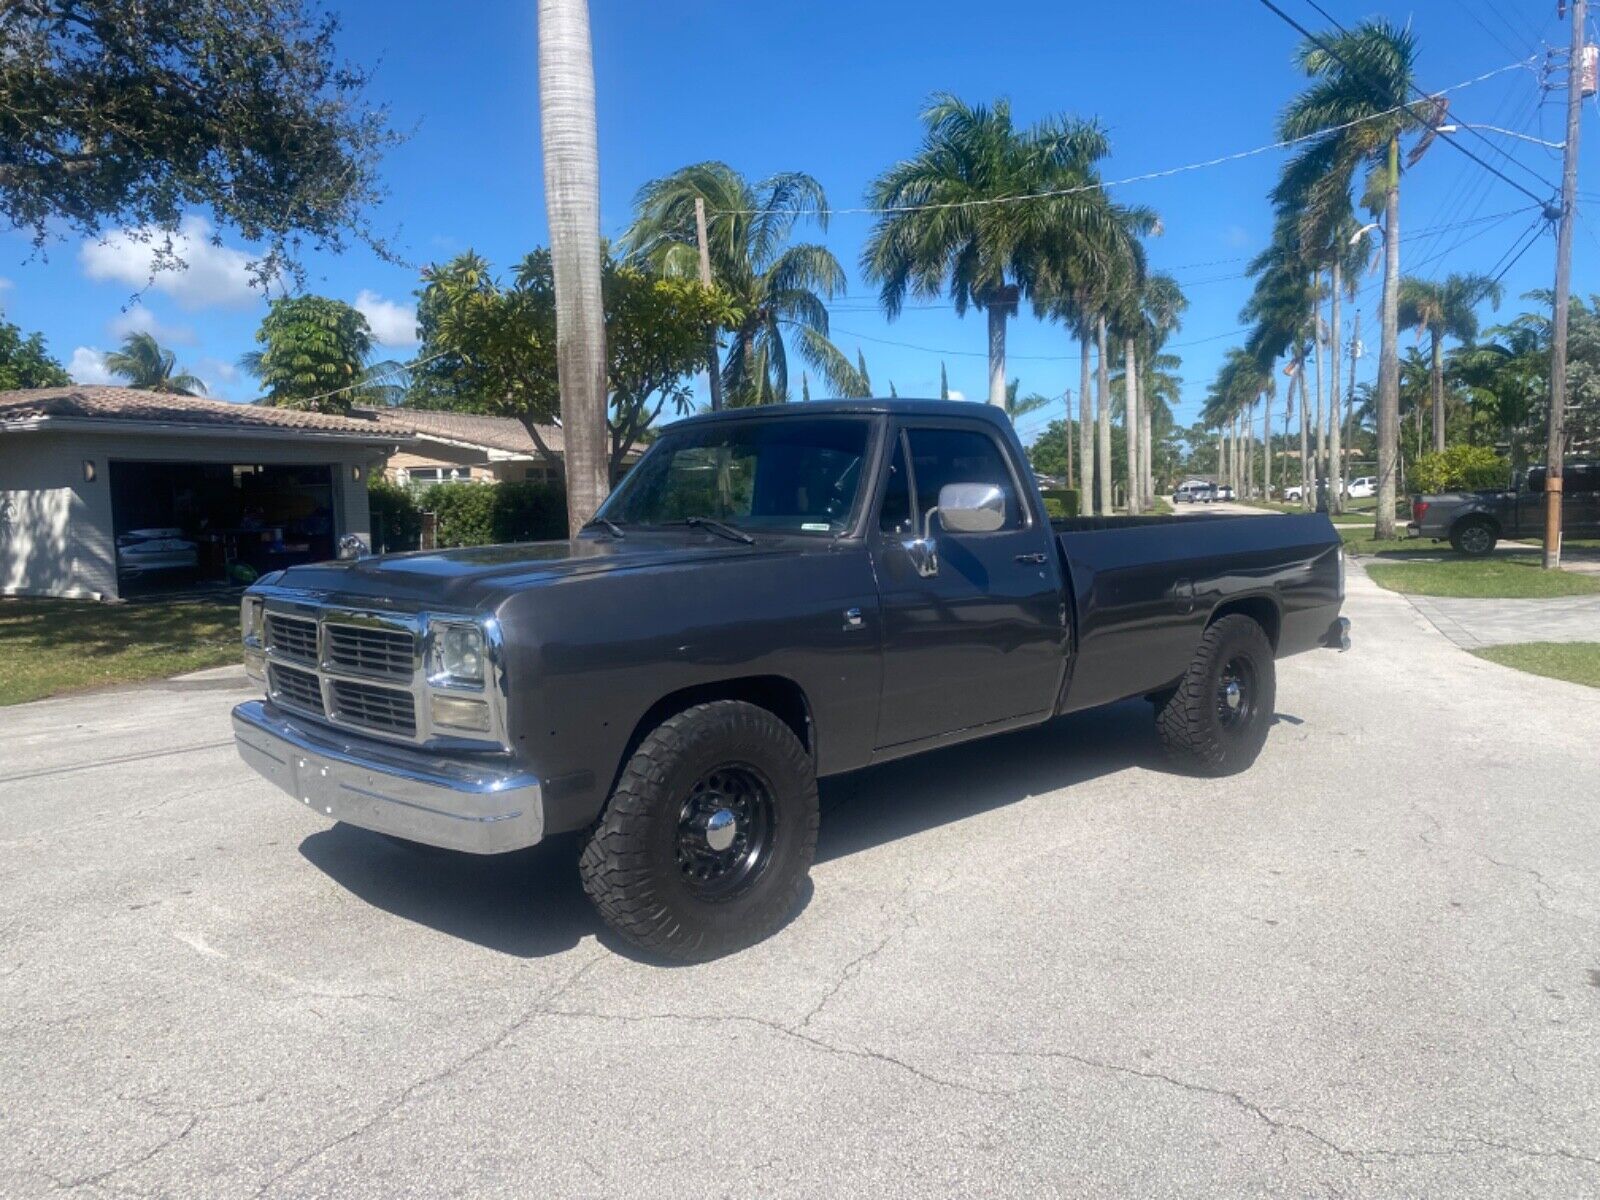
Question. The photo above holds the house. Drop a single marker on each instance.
(468, 446)
(107, 491)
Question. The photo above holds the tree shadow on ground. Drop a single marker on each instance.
(530, 903)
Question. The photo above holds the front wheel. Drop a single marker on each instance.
(1216, 720)
(705, 845)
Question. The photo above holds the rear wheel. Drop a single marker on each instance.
(1474, 537)
(706, 842)
(1216, 720)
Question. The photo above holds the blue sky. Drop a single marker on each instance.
(835, 89)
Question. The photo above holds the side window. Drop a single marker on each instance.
(896, 516)
(941, 456)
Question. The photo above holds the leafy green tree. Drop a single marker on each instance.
(314, 354)
(1358, 105)
(144, 364)
(25, 363)
(492, 347)
(949, 218)
(776, 293)
(129, 115)
(1444, 309)
(1460, 468)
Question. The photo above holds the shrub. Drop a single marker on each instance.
(1060, 502)
(481, 514)
(1460, 468)
(396, 518)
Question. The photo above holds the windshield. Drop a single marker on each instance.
(789, 475)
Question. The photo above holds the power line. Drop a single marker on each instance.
(1100, 185)
(1306, 33)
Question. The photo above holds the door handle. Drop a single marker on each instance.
(1031, 558)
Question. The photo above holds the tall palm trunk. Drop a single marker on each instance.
(1436, 379)
(1222, 455)
(1249, 450)
(572, 207)
(1335, 448)
(1130, 418)
(1389, 352)
(998, 311)
(1085, 432)
(1318, 426)
(1266, 448)
(1103, 415)
(1066, 435)
(1147, 458)
(1305, 446)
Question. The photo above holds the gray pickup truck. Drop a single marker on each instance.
(770, 596)
(1472, 522)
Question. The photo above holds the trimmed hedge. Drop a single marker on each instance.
(1060, 502)
(469, 514)
(1460, 468)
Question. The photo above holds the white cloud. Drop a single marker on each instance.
(211, 275)
(88, 365)
(955, 395)
(140, 319)
(392, 324)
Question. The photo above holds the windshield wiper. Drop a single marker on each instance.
(609, 526)
(722, 527)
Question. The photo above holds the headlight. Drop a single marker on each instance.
(457, 655)
(250, 620)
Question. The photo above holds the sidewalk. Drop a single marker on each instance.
(1474, 623)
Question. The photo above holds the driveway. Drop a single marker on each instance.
(1039, 965)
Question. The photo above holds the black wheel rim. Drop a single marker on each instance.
(725, 833)
(1236, 694)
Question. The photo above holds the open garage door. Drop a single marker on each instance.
(181, 525)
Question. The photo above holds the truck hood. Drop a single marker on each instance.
(478, 577)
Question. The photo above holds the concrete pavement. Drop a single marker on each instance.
(1039, 965)
(1473, 623)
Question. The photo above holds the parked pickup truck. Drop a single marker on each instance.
(770, 596)
(1472, 522)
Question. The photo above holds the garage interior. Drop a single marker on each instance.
(181, 525)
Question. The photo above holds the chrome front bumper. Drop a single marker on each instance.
(450, 802)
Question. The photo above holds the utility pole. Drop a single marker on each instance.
(713, 364)
(1555, 444)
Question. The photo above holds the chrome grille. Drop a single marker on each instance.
(292, 637)
(385, 652)
(298, 689)
(384, 710)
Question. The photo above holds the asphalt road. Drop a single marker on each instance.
(1035, 966)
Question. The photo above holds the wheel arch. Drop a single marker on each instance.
(1478, 516)
(778, 694)
(1261, 609)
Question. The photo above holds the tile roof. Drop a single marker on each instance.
(494, 433)
(94, 403)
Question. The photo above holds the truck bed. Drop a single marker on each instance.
(1142, 590)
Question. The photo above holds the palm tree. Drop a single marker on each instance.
(572, 208)
(1162, 305)
(1283, 312)
(949, 217)
(1019, 407)
(1444, 310)
(1354, 112)
(779, 292)
(149, 367)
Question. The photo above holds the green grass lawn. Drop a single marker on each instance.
(48, 647)
(1482, 578)
(1358, 540)
(1576, 662)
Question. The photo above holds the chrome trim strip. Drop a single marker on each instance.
(451, 802)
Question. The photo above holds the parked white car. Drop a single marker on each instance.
(1362, 489)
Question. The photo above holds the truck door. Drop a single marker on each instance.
(983, 639)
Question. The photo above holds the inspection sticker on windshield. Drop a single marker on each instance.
(814, 527)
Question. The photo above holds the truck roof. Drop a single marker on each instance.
(866, 405)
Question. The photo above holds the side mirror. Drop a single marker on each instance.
(962, 508)
(971, 507)
(351, 547)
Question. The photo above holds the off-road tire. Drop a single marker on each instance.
(1193, 731)
(1474, 537)
(629, 863)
